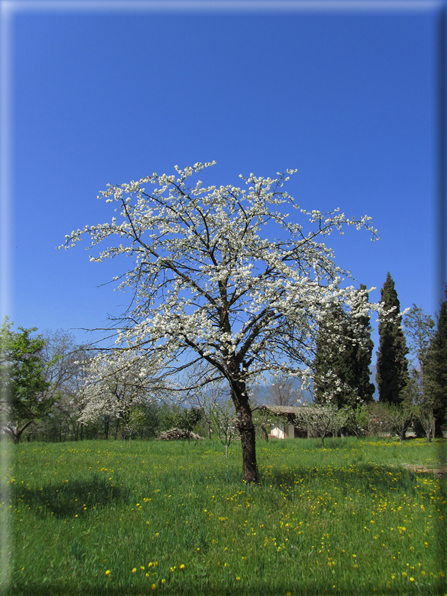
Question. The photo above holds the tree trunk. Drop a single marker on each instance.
(248, 441)
(264, 432)
(246, 431)
(17, 434)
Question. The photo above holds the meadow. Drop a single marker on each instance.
(103, 517)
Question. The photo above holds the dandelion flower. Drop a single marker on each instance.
(182, 566)
(108, 572)
(134, 570)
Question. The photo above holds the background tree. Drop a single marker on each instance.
(392, 364)
(202, 395)
(435, 369)
(342, 360)
(208, 286)
(185, 418)
(419, 331)
(62, 356)
(358, 423)
(25, 389)
(324, 419)
(398, 418)
(333, 359)
(117, 383)
(363, 348)
(223, 422)
(282, 391)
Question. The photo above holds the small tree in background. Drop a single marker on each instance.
(224, 422)
(187, 418)
(324, 419)
(392, 365)
(358, 424)
(419, 330)
(399, 418)
(117, 383)
(25, 389)
(281, 392)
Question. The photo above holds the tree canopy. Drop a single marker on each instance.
(24, 396)
(206, 284)
(341, 366)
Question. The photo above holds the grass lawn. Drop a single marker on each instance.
(97, 517)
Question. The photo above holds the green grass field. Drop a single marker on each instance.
(98, 517)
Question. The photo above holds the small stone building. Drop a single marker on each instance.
(288, 429)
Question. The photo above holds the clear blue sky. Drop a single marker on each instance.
(348, 99)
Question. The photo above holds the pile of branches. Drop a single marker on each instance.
(176, 434)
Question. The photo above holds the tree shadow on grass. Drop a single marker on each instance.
(362, 476)
(67, 499)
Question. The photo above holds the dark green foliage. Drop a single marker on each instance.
(171, 416)
(392, 364)
(435, 368)
(332, 358)
(362, 353)
(343, 355)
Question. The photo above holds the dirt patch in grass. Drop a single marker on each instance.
(418, 468)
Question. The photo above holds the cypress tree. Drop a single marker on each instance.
(435, 369)
(343, 355)
(392, 364)
(330, 359)
(362, 352)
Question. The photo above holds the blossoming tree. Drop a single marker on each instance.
(116, 383)
(207, 285)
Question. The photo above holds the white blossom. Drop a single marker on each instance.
(207, 284)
